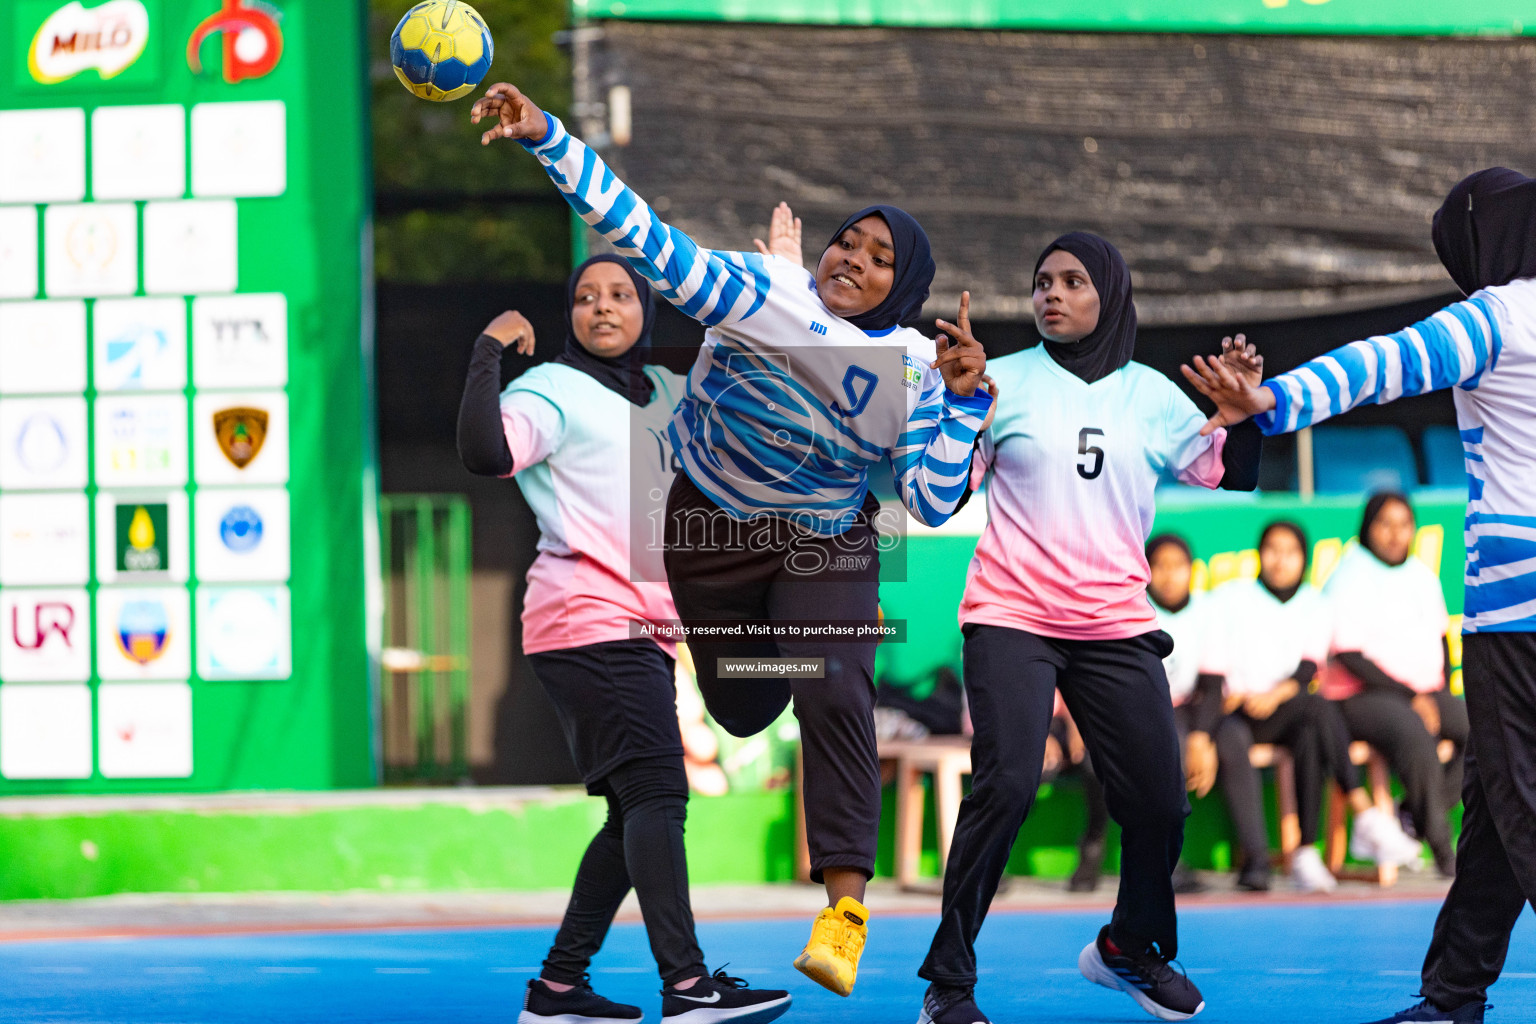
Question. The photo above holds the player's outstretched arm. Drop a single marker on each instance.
(713, 287)
(1452, 348)
(1227, 382)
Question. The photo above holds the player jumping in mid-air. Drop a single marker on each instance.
(1056, 598)
(563, 430)
(803, 383)
(1485, 348)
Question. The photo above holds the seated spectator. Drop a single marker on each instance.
(1274, 636)
(1390, 665)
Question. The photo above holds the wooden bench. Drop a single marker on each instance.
(948, 760)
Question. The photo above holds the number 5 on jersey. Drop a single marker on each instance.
(1093, 468)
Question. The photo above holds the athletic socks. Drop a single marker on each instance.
(722, 998)
(1143, 975)
(580, 1005)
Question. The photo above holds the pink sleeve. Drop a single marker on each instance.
(1205, 470)
(534, 428)
(1193, 459)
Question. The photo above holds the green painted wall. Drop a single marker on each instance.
(1370, 17)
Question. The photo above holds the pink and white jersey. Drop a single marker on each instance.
(595, 470)
(1071, 468)
(1395, 615)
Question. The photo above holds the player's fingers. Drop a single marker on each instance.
(1212, 425)
(795, 231)
(760, 246)
(965, 312)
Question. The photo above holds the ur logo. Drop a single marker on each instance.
(817, 327)
(250, 40)
(240, 432)
(49, 619)
(142, 628)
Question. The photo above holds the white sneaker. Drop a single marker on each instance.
(1378, 837)
(1309, 873)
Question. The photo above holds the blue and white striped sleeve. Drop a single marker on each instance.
(931, 460)
(714, 288)
(1452, 348)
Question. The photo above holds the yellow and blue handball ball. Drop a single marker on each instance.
(441, 50)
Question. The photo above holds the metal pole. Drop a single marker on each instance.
(426, 639)
(458, 630)
(1305, 468)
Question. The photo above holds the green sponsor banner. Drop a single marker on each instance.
(1370, 17)
(186, 515)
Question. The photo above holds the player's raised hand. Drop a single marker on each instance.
(1243, 359)
(515, 114)
(512, 329)
(783, 236)
(961, 358)
(1237, 395)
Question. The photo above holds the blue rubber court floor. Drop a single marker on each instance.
(1321, 963)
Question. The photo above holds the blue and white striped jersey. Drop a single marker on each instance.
(788, 405)
(1485, 347)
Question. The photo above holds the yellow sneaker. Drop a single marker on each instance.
(831, 958)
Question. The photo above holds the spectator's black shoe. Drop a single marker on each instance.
(1427, 1012)
(543, 1005)
(1144, 976)
(1090, 866)
(1254, 878)
(721, 998)
(1185, 881)
(951, 1006)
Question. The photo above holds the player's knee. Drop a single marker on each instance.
(835, 700)
(1012, 789)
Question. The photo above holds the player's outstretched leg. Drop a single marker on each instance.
(1117, 693)
(837, 736)
(1010, 679)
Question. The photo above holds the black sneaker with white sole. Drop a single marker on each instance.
(950, 1006)
(543, 1005)
(1427, 1012)
(1144, 976)
(720, 998)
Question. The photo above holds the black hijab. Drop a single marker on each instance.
(1373, 507)
(1284, 595)
(914, 269)
(1110, 345)
(1485, 231)
(624, 374)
